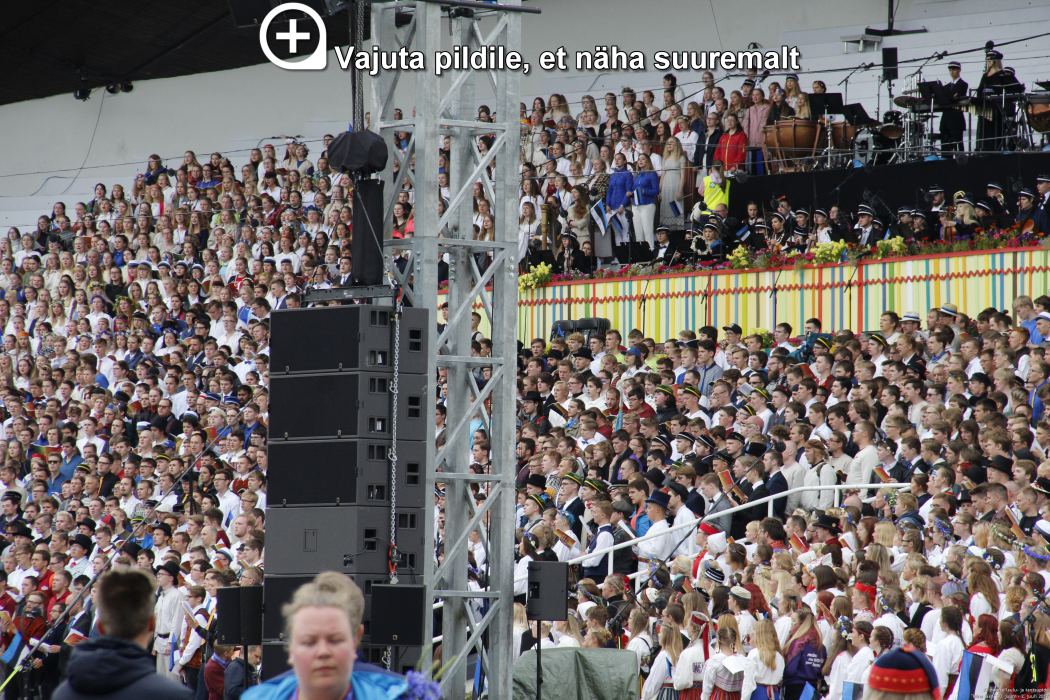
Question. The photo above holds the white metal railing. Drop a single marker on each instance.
(768, 501)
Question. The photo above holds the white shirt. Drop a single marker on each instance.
(764, 675)
(860, 662)
(822, 475)
(863, 464)
(689, 671)
(658, 675)
(659, 547)
(838, 675)
(946, 656)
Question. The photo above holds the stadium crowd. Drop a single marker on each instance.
(135, 406)
(622, 435)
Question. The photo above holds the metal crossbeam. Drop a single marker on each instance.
(483, 276)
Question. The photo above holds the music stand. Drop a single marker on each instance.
(826, 104)
(857, 115)
(936, 93)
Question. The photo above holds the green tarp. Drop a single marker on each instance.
(578, 674)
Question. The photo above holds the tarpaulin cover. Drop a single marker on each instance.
(578, 674)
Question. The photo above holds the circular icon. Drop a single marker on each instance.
(296, 31)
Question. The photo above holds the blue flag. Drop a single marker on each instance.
(852, 691)
(808, 693)
(675, 209)
(13, 650)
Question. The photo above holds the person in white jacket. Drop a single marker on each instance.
(657, 547)
(819, 473)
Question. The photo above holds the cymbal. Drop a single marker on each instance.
(907, 101)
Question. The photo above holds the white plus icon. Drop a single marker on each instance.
(291, 36)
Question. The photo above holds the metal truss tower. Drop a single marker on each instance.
(476, 624)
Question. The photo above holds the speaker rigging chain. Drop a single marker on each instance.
(394, 556)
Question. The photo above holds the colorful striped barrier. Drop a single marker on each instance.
(843, 296)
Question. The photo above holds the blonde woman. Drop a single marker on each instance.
(659, 685)
(672, 185)
(767, 661)
(567, 633)
(640, 641)
(329, 608)
(792, 91)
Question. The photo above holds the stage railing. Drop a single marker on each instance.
(767, 501)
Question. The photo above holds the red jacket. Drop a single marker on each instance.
(732, 150)
(214, 679)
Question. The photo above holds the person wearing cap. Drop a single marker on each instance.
(953, 124)
(1027, 212)
(168, 613)
(659, 544)
(739, 602)
(595, 566)
(569, 497)
(877, 347)
(863, 228)
(667, 251)
(678, 495)
(1042, 188)
(995, 82)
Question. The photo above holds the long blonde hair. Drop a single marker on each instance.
(767, 642)
(671, 641)
(728, 622)
(672, 148)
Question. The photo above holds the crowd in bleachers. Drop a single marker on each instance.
(622, 435)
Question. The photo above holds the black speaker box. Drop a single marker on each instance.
(343, 472)
(351, 539)
(239, 615)
(279, 590)
(889, 63)
(366, 245)
(593, 326)
(354, 405)
(402, 611)
(355, 337)
(548, 591)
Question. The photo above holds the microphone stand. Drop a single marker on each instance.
(845, 81)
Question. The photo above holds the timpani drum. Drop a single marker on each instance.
(795, 139)
(1038, 110)
(842, 136)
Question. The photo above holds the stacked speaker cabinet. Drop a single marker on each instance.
(329, 487)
